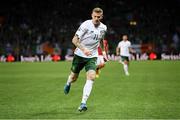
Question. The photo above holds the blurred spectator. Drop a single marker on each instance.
(57, 49)
(176, 41)
(47, 48)
(10, 58)
(9, 48)
(36, 27)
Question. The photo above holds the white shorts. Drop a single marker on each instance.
(100, 60)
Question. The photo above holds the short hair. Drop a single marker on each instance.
(97, 10)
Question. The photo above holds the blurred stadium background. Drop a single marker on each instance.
(29, 28)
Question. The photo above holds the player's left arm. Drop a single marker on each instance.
(106, 46)
(117, 51)
(103, 47)
(131, 50)
(101, 42)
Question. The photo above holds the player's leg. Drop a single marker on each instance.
(121, 60)
(77, 66)
(100, 64)
(87, 89)
(90, 77)
(125, 64)
(72, 78)
(88, 85)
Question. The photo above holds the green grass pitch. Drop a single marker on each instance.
(35, 91)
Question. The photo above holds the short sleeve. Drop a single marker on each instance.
(119, 45)
(81, 30)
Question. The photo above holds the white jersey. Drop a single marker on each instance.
(90, 36)
(124, 48)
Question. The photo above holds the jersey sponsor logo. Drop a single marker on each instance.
(102, 33)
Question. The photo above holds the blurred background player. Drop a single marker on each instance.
(123, 49)
(102, 57)
(87, 38)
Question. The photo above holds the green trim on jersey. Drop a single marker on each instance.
(79, 63)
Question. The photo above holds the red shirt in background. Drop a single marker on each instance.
(10, 58)
(105, 43)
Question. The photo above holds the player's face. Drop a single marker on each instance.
(96, 18)
(124, 37)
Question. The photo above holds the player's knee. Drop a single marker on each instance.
(126, 62)
(91, 75)
(73, 77)
(101, 65)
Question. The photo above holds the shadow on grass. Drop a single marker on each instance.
(65, 113)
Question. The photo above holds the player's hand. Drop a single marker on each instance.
(86, 52)
(105, 56)
(132, 51)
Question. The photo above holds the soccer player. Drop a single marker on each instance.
(86, 39)
(102, 57)
(123, 49)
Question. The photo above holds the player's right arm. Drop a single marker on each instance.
(131, 50)
(77, 43)
(103, 48)
(118, 49)
(82, 30)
